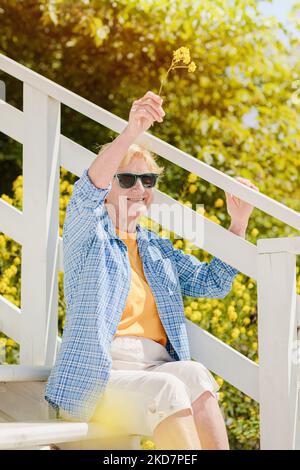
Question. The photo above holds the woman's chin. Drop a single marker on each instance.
(136, 209)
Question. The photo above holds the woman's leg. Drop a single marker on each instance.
(210, 423)
(177, 431)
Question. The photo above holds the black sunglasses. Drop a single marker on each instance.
(127, 180)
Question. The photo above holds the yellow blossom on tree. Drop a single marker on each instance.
(192, 188)
(235, 333)
(219, 203)
(192, 178)
(220, 381)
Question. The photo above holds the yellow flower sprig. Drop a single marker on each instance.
(180, 55)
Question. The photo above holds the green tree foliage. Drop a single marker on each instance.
(235, 113)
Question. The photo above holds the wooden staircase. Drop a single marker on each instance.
(26, 420)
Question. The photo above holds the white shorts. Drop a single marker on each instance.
(146, 385)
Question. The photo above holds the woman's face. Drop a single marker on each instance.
(132, 202)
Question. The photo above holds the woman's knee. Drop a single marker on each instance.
(206, 400)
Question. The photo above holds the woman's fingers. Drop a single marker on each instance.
(149, 105)
(153, 96)
(247, 182)
(237, 201)
(143, 114)
(149, 110)
(147, 113)
(154, 107)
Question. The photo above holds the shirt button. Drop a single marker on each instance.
(152, 408)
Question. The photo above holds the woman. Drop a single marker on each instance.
(124, 359)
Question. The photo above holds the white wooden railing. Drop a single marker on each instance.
(272, 263)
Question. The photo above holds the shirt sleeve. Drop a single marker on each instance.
(84, 210)
(202, 279)
(87, 195)
(83, 214)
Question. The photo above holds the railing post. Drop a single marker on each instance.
(277, 338)
(39, 291)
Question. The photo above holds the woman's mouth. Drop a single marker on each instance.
(134, 199)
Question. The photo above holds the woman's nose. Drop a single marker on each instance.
(139, 185)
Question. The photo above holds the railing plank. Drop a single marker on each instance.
(41, 218)
(10, 323)
(11, 221)
(60, 255)
(277, 338)
(74, 157)
(223, 360)
(18, 373)
(11, 121)
(278, 245)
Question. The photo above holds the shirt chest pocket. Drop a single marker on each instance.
(163, 268)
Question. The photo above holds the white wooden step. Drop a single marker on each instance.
(30, 434)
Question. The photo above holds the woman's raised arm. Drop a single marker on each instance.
(142, 115)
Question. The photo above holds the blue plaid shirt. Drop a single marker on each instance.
(96, 285)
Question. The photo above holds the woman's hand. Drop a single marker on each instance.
(239, 210)
(144, 112)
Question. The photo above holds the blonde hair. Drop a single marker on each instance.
(138, 150)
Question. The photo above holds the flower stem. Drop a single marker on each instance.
(180, 67)
(163, 81)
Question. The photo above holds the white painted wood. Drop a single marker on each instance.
(297, 440)
(130, 442)
(40, 212)
(277, 336)
(23, 435)
(279, 245)
(20, 373)
(60, 255)
(5, 418)
(74, 157)
(11, 121)
(25, 401)
(58, 344)
(223, 360)
(10, 319)
(154, 144)
(11, 220)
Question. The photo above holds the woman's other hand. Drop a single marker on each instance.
(239, 210)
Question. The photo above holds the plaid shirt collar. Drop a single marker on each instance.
(144, 236)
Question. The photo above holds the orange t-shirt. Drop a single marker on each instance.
(140, 316)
